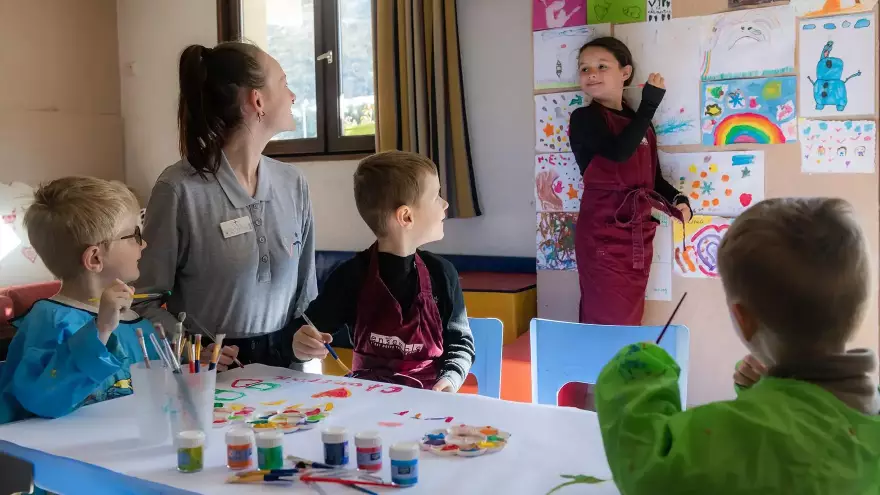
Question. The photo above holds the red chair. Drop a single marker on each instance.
(577, 394)
(16, 301)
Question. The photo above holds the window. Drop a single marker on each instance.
(326, 49)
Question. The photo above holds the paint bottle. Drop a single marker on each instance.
(270, 452)
(404, 463)
(190, 451)
(239, 449)
(368, 446)
(335, 446)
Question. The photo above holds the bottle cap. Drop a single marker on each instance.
(239, 436)
(368, 439)
(333, 435)
(190, 439)
(269, 439)
(404, 451)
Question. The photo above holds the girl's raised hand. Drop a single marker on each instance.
(656, 80)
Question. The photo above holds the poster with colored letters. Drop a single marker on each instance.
(716, 183)
(555, 239)
(677, 120)
(552, 113)
(552, 14)
(836, 65)
(556, 54)
(748, 43)
(616, 11)
(559, 184)
(697, 257)
(749, 111)
(835, 146)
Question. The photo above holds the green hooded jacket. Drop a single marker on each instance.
(779, 436)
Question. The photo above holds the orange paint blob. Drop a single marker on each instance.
(725, 178)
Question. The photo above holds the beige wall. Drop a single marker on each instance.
(715, 347)
(59, 90)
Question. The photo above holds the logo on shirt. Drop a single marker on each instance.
(290, 247)
(386, 342)
(644, 141)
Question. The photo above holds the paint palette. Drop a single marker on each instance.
(465, 441)
(289, 420)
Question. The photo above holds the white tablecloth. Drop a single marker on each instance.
(546, 441)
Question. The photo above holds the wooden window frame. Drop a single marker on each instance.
(330, 142)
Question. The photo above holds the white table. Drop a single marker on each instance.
(546, 441)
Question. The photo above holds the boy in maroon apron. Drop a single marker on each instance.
(400, 309)
(616, 150)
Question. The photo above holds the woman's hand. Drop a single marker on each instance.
(686, 212)
(227, 356)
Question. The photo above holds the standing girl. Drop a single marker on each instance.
(616, 151)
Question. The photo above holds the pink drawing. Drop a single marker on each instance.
(29, 253)
(551, 14)
(753, 103)
(785, 111)
(245, 382)
(9, 218)
(390, 424)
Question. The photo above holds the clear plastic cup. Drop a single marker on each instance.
(191, 401)
(150, 398)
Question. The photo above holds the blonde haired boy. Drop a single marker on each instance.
(796, 277)
(68, 351)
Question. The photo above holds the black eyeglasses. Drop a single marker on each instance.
(137, 236)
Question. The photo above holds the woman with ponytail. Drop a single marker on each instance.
(230, 231)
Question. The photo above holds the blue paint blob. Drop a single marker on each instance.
(846, 24)
(862, 23)
(808, 27)
(830, 26)
(869, 127)
(823, 126)
(848, 124)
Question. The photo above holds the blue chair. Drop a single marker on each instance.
(564, 352)
(488, 336)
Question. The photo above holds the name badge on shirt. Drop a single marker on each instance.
(232, 228)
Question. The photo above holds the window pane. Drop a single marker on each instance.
(286, 30)
(357, 96)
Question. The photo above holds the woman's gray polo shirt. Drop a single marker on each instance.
(242, 285)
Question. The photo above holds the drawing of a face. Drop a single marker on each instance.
(860, 151)
(841, 151)
(734, 31)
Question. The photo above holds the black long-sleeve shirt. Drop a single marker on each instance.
(590, 136)
(335, 309)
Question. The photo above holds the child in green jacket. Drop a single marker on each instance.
(796, 274)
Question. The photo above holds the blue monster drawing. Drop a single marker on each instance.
(829, 88)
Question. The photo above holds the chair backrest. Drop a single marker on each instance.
(488, 337)
(564, 352)
(16, 475)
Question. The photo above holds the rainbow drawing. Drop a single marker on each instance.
(750, 128)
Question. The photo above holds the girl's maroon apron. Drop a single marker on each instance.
(615, 234)
(390, 346)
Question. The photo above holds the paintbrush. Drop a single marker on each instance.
(180, 317)
(634, 86)
(140, 335)
(329, 349)
(160, 295)
(215, 355)
(668, 322)
(198, 352)
(212, 337)
(167, 345)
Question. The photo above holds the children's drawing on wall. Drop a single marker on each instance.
(19, 262)
(835, 146)
(818, 8)
(558, 182)
(616, 11)
(556, 241)
(837, 66)
(677, 121)
(659, 10)
(552, 14)
(698, 257)
(552, 113)
(659, 286)
(716, 183)
(556, 50)
(750, 111)
(747, 43)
